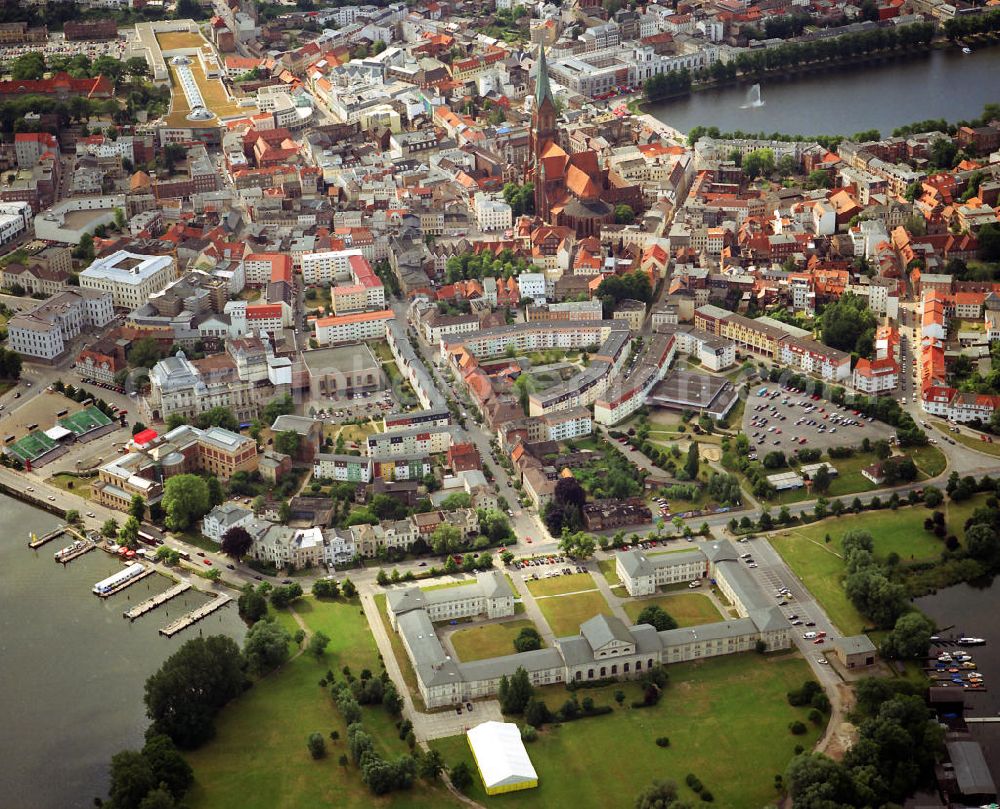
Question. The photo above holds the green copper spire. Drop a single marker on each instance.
(542, 89)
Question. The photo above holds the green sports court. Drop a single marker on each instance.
(32, 446)
(86, 420)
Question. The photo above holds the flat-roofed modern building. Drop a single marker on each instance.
(130, 278)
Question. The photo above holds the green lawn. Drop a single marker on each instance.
(974, 443)
(727, 721)
(609, 570)
(448, 584)
(929, 459)
(688, 609)
(488, 640)
(258, 759)
(564, 614)
(72, 483)
(820, 567)
(561, 584)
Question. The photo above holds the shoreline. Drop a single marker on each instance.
(640, 106)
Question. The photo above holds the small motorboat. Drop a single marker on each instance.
(969, 641)
(966, 49)
(968, 664)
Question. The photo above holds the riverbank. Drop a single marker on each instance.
(72, 667)
(881, 92)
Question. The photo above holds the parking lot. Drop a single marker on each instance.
(547, 567)
(777, 418)
(796, 613)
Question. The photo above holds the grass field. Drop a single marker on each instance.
(488, 640)
(564, 614)
(821, 568)
(975, 443)
(561, 584)
(727, 721)
(259, 760)
(929, 459)
(71, 483)
(610, 572)
(688, 609)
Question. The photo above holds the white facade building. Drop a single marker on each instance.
(129, 277)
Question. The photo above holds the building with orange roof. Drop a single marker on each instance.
(351, 328)
(876, 376)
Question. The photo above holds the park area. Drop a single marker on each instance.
(726, 718)
(820, 565)
(572, 583)
(488, 640)
(688, 609)
(259, 760)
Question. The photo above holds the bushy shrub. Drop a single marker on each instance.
(797, 728)
(663, 741)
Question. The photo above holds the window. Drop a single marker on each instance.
(604, 671)
(625, 668)
(590, 674)
(614, 669)
(638, 665)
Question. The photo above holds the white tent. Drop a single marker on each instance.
(501, 758)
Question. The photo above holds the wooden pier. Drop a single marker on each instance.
(38, 541)
(194, 616)
(149, 571)
(72, 553)
(152, 603)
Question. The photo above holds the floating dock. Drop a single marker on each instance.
(35, 541)
(194, 616)
(152, 603)
(149, 571)
(71, 552)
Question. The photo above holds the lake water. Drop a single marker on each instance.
(72, 669)
(941, 84)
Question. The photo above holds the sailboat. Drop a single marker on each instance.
(753, 98)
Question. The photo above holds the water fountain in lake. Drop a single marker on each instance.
(753, 98)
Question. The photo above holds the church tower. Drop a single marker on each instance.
(543, 130)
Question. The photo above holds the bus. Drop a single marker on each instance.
(149, 539)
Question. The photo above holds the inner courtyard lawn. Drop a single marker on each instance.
(726, 718)
(572, 583)
(609, 570)
(488, 640)
(564, 614)
(259, 760)
(688, 609)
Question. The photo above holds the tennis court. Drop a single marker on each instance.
(32, 446)
(86, 420)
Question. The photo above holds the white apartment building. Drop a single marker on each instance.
(15, 219)
(492, 214)
(45, 332)
(414, 441)
(351, 328)
(532, 285)
(129, 277)
(490, 595)
(876, 376)
(328, 266)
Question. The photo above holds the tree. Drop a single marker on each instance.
(758, 162)
(848, 324)
(528, 640)
(158, 798)
(170, 768)
(317, 644)
(932, 497)
(659, 795)
(251, 604)
(183, 696)
(821, 480)
(624, 215)
(446, 538)
(145, 352)
(185, 499)
(218, 417)
(431, 765)
(110, 528)
(910, 638)
(317, 745)
(657, 617)
(348, 588)
(580, 544)
(131, 779)
(284, 595)
(981, 542)
(287, 442)
(815, 781)
(266, 646)
(29, 66)
(128, 534)
(137, 508)
(460, 776)
(515, 693)
(691, 464)
(277, 407)
(236, 542)
(326, 588)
